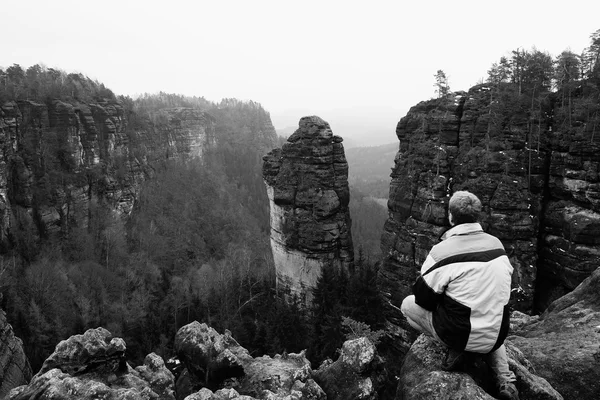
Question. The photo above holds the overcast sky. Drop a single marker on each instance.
(359, 65)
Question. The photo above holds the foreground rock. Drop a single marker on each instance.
(14, 367)
(356, 374)
(218, 362)
(93, 366)
(307, 185)
(564, 343)
(421, 377)
(225, 370)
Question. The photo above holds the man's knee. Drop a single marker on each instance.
(415, 315)
(408, 306)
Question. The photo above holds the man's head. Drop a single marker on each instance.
(463, 207)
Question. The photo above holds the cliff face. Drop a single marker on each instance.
(57, 159)
(14, 367)
(307, 185)
(562, 343)
(538, 187)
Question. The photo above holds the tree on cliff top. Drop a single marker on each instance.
(442, 87)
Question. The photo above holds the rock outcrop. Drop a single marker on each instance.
(421, 377)
(563, 344)
(14, 367)
(93, 366)
(307, 185)
(538, 189)
(218, 362)
(58, 158)
(357, 374)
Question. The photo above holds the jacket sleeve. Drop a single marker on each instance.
(430, 285)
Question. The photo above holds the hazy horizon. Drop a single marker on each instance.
(360, 67)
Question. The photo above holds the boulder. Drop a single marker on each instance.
(563, 344)
(14, 367)
(209, 355)
(93, 366)
(95, 349)
(222, 394)
(356, 374)
(217, 361)
(157, 375)
(421, 376)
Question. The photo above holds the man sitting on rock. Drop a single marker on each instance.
(461, 296)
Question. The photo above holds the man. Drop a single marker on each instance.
(461, 296)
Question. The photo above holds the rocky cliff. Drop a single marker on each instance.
(538, 185)
(563, 342)
(58, 158)
(14, 367)
(307, 185)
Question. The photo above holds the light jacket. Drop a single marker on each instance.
(465, 282)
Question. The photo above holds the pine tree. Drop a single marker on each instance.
(442, 87)
(328, 307)
(364, 302)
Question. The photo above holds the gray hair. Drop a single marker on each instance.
(465, 207)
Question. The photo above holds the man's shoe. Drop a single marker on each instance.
(453, 361)
(508, 391)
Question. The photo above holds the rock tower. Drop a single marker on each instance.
(307, 185)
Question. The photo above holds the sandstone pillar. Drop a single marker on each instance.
(307, 185)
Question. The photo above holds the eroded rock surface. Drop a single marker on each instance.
(538, 188)
(217, 360)
(307, 185)
(421, 377)
(103, 159)
(357, 374)
(14, 367)
(564, 343)
(93, 366)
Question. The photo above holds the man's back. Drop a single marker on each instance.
(470, 271)
(461, 296)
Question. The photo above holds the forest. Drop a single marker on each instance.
(196, 244)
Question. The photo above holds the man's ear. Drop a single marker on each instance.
(450, 218)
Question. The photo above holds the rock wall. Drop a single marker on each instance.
(307, 185)
(538, 186)
(14, 367)
(563, 342)
(58, 158)
(570, 236)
